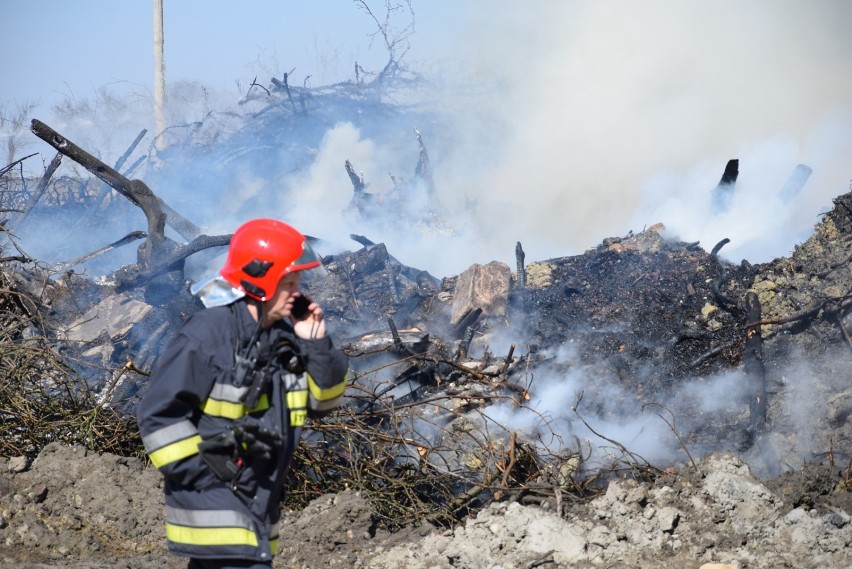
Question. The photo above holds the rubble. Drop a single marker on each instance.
(75, 509)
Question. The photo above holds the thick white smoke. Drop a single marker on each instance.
(572, 121)
(612, 115)
(563, 122)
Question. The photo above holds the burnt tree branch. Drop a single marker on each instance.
(753, 363)
(134, 190)
(424, 170)
(831, 305)
(157, 212)
(158, 253)
(724, 301)
(11, 165)
(357, 181)
(40, 189)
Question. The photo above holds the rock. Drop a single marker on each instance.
(482, 286)
(18, 464)
(38, 493)
(839, 407)
(115, 316)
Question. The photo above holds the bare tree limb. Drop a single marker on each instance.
(42, 186)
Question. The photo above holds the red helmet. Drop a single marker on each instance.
(261, 252)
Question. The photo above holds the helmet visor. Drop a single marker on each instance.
(307, 260)
(215, 291)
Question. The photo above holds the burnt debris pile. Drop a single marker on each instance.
(532, 382)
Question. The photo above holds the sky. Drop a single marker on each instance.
(573, 120)
(71, 49)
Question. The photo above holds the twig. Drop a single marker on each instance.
(808, 312)
(508, 469)
(620, 446)
(709, 354)
(674, 430)
(11, 165)
(42, 186)
(546, 558)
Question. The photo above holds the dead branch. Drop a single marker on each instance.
(671, 425)
(42, 186)
(127, 239)
(254, 83)
(725, 302)
(753, 363)
(134, 190)
(423, 169)
(633, 456)
(11, 165)
(395, 40)
(507, 470)
(286, 86)
(833, 305)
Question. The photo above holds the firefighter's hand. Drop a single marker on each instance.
(312, 324)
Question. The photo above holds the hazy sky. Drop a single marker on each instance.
(60, 48)
(573, 120)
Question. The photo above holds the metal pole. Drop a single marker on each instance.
(159, 76)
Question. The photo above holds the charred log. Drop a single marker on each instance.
(362, 240)
(157, 212)
(795, 183)
(724, 301)
(100, 200)
(133, 276)
(725, 188)
(519, 259)
(134, 190)
(732, 171)
(467, 321)
(464, 344)
(753, 362)
(127, 239)
(360, 199)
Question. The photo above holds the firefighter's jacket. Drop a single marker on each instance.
(192, 397)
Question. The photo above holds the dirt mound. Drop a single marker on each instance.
(70, 508)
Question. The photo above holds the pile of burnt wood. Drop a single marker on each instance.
(433, 358)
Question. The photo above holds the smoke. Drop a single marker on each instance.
(566, 122)
(556, 124)
(592, 119)
(587, 411)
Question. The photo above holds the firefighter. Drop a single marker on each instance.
(229, 395)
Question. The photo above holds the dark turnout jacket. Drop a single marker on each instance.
(193, 397)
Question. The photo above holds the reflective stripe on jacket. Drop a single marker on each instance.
(192, 397)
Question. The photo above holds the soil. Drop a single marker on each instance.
(74, 509)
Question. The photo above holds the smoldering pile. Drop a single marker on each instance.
(638, 355)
